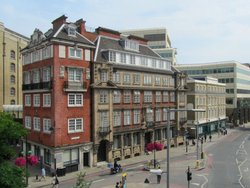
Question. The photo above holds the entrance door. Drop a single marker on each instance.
(147, 138)
(86, 159)
(102, 151)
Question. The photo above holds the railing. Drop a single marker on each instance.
(75, 86)
(41, 85)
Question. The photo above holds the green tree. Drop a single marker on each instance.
(11, 176)
(81, 182)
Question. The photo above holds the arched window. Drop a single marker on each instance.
(12, 91)
(12, 54)
(12, 79)
(12, 102)
(12, 67)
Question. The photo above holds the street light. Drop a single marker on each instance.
(168, 132)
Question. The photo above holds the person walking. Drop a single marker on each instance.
(43, 174)
(55, 181)
(117, 185)
(210, 137)
(159, 173)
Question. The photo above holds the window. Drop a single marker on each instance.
(62, 50)
(117, 118)
(12, 91)
(71, 31)
(36, 122)
(74, 74)
(147, 79)
(137, 79)
(46, 100)
(103, 96)
(75, 99)
(46, 52)
(104, 119)
(36, 76)
(46, 125)
(165, 81)
(172, 97)
(123, 58)
(157, 96)
(27, 99)
(12, 54)
(137, 116)
(161, 64)
(137, 97)
(165, 96)
(131, 45)
(35, 55)
(70, 156)
(47, 156)
(144, 61)
(117, 142)
(126, 78)
(36, 100)
(112, 56)
(87, 74)
(27, 120)
(116, 96)
(127, 117)
(75, 125)
(147, 96)
(158, 80)
(126, 140)
(12, 102)
(75, 53)
(132, 59)
(136, 138)
(116, 77)
(12, 67)
(165, 114)
(126, 96)
(104, 75)
(158, 114)
(46, 74)
(26, 77)
(87, 55)
(153, 63)
(12, 79)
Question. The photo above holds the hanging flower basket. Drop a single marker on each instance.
(32, 160)
(158, 146)
(150, 147)
(20, 161)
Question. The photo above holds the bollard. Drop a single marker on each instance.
(202, 155)
(197, 164)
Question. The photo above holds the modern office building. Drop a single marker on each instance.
(206, 93)
(11, 43)
(57, 97)
(132, 88)
(236, 76)
(158, 40)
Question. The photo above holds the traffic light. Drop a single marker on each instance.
(189, 176)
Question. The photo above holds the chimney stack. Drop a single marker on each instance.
(81, 26)
(58, 22)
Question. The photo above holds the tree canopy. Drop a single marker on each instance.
(10, 175)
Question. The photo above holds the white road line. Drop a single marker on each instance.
(206, 180)
(134, 167)
(97, 180)
(197, 184)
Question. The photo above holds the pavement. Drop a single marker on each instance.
(161, 155)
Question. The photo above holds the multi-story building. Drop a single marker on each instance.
(206, 93)
(132, 88)
(236, 76)
(57, 97)
(11, 43)
(158, 40)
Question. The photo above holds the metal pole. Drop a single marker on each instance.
(154, 148)
(168, 146)
(197, 144)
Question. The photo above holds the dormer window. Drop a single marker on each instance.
(71, 30)
(130, 45)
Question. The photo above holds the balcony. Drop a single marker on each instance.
(104, 131)
(35, 86)
(70, 86)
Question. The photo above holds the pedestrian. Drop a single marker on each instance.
(193, 142)
(43, 174)
(117, 185)
(210, 137)
(55, 181)
(205, 136)
(159, 173)
(120, 185)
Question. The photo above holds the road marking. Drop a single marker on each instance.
(197, 184)
(206, 180)
(97, 180)
(134, 167)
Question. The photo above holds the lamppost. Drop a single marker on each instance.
(26, 157)
(169, 110)
(197, 141)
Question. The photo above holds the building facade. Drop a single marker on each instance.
(132, 88)
(236, 76)
(158, 40)
(11, 70)
(57, 97)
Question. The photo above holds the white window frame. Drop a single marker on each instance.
(27, 99)
(74, 74)
(104, 119)
(75, 53)
(157, 96)
(157, 80)
(74, 123)
(36, 124)
(117, 115)
(127, 117)
(126, 78)
(47, 100)
(126, 96)
(103, 96)
(116, 77)
(137, 116)
(147, 96)
(35, 76)
(112, 56)
(147, 79)
(116, 96)
(27, 120)
(46, 125)
(158, 114)
(46, 74)
(36, 100)
(137, 78)
(104, 75)
(137, 97)
(75, 99)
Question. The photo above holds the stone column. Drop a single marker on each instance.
(122, 147)
(132, 144)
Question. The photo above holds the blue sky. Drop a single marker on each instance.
(201, 30)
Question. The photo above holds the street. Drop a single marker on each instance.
(227, 165)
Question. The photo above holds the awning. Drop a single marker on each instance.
(12, 108)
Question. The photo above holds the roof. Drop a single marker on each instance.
(106, 43)
(15, 33)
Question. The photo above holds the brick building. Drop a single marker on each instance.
(56, 95)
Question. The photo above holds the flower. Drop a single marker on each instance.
(20, 161)
(32, 160)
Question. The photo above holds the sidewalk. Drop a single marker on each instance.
(161, 155)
